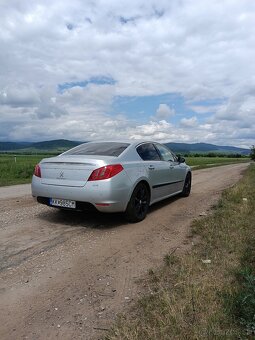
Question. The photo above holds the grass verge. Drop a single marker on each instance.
(209, 292)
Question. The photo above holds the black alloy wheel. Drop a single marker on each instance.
(139, 203)
(187, 186)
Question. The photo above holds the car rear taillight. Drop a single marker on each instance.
(37, 171)
(105, 172)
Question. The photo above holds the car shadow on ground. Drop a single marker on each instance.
(84, 219)
(95, 219)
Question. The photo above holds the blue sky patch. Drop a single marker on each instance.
(99, 80)
(144, 108)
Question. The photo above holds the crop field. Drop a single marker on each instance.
(18, 169)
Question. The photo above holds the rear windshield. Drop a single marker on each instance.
(99, 149)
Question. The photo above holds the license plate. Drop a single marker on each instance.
(57, 202)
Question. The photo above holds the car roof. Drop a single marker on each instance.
(128, 141)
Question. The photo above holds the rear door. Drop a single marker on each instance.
(157, 170)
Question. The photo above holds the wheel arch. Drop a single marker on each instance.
(186, 190)
(147, 185)
(189, 173)
(141, 180)
(137, 206)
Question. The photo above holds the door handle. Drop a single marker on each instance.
(151, 167)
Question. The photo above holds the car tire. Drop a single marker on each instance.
(138, 205)
(187, 186)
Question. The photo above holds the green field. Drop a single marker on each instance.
(204, 162)
(19, 169)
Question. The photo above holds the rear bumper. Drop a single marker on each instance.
(105, 196)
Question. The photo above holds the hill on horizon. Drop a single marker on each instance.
(205, 148)
(64, 144)
(56, 144)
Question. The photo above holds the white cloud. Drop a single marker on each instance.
(200, 50)
(189, 122)
(201, 109)
(19, 95)
(239, 107)
(153, 130)
(164, 112)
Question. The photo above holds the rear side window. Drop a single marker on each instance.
(98, 149)
(148, 152)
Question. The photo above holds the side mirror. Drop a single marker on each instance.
(181, 159)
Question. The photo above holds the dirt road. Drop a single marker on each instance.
(14, 191)
(65, 275)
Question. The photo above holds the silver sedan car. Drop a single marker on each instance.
(111, 177)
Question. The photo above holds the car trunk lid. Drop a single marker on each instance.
(68, 171)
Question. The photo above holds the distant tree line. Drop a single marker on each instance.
(215, 154)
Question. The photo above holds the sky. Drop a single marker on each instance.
(170, 71)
